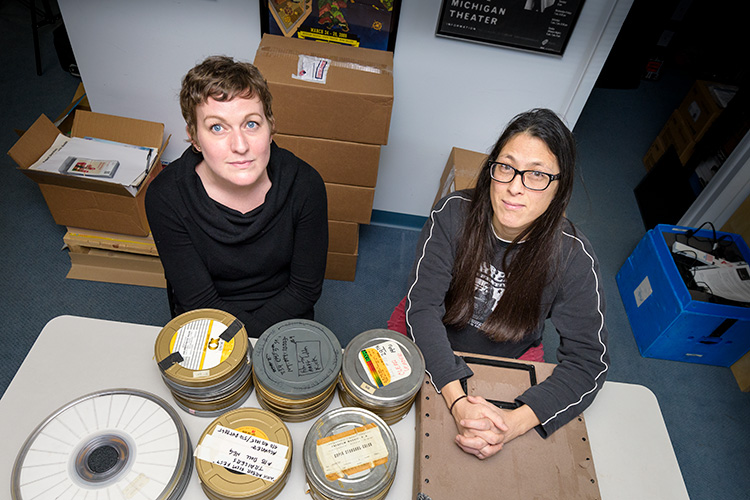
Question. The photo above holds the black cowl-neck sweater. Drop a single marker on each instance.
(264, 266)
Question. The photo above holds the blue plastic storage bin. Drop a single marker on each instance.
(666, 321)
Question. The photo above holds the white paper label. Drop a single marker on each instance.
(200, 345)
(351, 452)
(243, 453)
(312, 69)
(135, 486)
(384, 363)
(642, 292)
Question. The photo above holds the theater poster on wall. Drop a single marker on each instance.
(370, 24)
(535, 25)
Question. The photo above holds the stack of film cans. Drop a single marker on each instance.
(244, 454)
(350, 454)
(205, 359)
(382, 372)
(295, 367)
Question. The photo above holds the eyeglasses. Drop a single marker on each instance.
(531, 179)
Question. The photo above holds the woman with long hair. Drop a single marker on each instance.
(492, 264)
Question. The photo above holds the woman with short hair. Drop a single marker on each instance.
(240, 224)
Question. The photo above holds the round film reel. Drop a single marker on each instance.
(219, 482)
(206, 361)
(350, 454)
(295, 367)
(217, 406)
(113, 443)
(382, 371)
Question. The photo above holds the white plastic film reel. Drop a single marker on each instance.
(116, 444)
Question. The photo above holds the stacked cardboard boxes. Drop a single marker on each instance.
(336, 123)
(113, 258)
(688, 124)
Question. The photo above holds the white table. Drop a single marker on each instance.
(75, 356)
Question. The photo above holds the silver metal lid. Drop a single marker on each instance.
(350, 454)
(297, 359)
(92, 445)
(383, 368)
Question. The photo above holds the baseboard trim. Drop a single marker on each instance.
(398, 220)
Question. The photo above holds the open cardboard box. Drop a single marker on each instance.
(354, 104)
(80, 102)
(89, 203)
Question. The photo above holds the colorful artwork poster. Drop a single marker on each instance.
(361, 23)
(535, 25)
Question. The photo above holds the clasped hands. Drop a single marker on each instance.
(483, 428)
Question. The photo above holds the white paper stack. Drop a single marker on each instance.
(106, 161)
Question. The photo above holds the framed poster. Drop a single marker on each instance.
(536, 25)
(362, 23)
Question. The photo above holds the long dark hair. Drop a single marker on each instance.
(535, 261)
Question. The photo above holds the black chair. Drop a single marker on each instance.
(41, 17)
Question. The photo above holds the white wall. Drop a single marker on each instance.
(133, 54)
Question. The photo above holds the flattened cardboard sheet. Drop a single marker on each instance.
(77, 238)
(529, 467)
(93, 264)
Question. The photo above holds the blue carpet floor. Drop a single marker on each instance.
(707, 416)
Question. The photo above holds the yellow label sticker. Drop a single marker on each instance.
(253, 431)
(384, 363)
(350, 452)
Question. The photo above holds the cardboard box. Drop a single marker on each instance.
(655, 152)
(90, 203)
(667, 322)
(354, 104)
(741, 371)
(343, 237)
(678, 134)
(460, 171)
(340, 162)
(349, 203)
(699, 109)
(80, 101)
(341, 266)
(739, 221)
(93, 264)
(64, 120)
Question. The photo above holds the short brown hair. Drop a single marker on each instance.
(222, 78)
